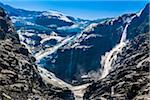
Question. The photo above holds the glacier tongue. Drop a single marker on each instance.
(110, 57)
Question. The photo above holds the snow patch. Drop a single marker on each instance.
(51, 14)
(43, 53)
(58, 38)
(90, 27)
(139, 13)
(92, 35)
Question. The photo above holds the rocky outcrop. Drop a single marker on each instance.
(6, 27)
(19, 77)
(129, 79)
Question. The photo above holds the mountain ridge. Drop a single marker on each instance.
(74, 58)
(128, 76)
(80, 45)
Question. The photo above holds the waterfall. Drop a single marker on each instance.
(124, 35)
(109, 57)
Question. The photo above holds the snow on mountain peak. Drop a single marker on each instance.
(139, 13)
(90, 27)
(51, 14)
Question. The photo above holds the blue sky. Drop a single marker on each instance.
(87, 9)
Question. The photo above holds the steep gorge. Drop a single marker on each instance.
(125, 75)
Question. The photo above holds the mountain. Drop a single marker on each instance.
(19, 76)
(17, 12)
(68, 58)
(81, 56)
(47, 19)
(125, 76)
(39, 37)
(53, 19)
(129, 76)
(73, 48)
(142, 23)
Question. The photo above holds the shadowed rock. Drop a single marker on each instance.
(19, 77)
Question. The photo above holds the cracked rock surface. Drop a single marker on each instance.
(129, 79)
(19, 77)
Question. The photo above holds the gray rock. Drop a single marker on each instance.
(19, 77)
(129, 79)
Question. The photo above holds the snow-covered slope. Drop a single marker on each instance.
(70, 47)
(55, 14)
(51, 50)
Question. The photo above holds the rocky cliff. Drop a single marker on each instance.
(129, 77)
(19, 77)
(72, 48)
(94, 41)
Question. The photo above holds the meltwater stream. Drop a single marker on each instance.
(111, 56)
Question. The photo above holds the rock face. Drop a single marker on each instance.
(84, 56)
(95, 40)
(81, 55)
(19, 77)
(129, 79)
(6, 27)
(78, 57)
(142, 23)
